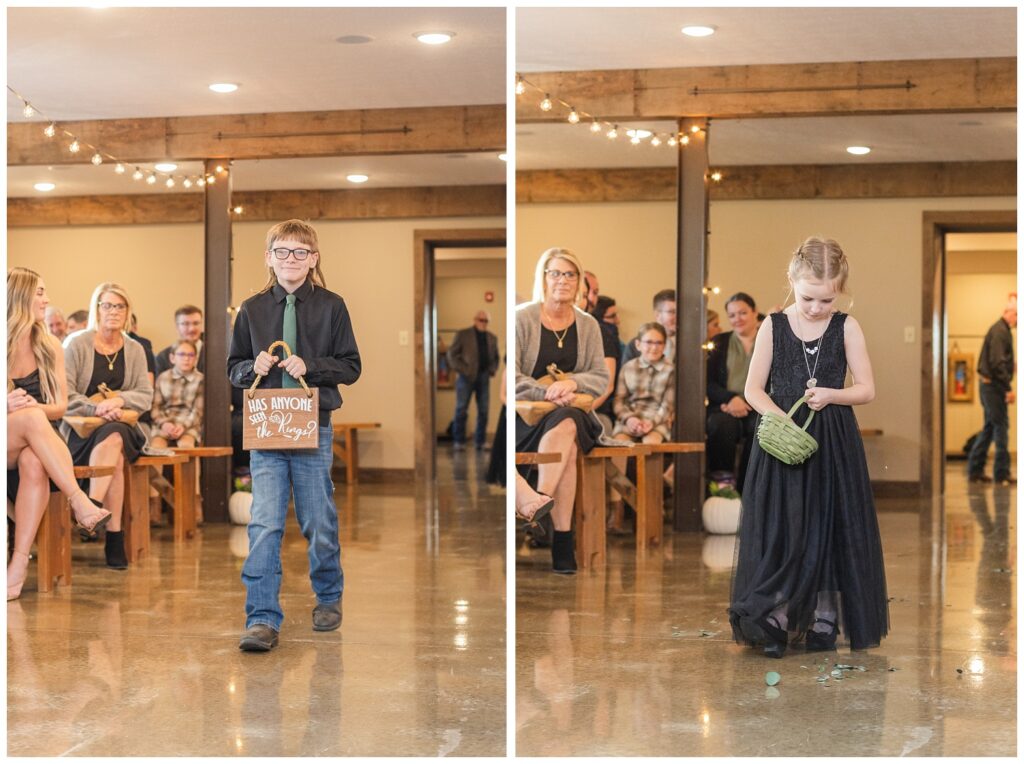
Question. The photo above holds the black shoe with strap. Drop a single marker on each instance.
(822, 640)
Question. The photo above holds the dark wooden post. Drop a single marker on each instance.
(216, 474)
(691, 323)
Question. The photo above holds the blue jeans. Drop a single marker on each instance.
(464, 390)
(276, 474)
(997, 429)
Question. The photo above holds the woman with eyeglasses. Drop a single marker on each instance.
(551, 330)
(103, 354)
(36, 399)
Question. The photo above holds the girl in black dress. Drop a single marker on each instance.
(809, 560)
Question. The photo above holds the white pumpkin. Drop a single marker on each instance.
(238, 541)
(721, 515)
(718, 552)
(239, 507)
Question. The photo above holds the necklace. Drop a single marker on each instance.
(565, 331)
(110, 361)
(812, 379)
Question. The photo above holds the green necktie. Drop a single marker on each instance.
(287, 380)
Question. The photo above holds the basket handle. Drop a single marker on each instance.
(288, 350)
(796, 406)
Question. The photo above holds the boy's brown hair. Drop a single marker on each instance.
(299, 230)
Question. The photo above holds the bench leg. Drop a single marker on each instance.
(53, 544)
(184, 499)
(352, 456)
(649, 522)
(590, 511)
(135, 515)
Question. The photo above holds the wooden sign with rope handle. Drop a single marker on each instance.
(280, 417)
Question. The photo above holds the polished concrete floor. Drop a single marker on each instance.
(638, 660)
(146, 662)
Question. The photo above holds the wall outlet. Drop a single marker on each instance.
(909, 333)
(403, 338)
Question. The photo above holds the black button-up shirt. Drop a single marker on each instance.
(324, 341)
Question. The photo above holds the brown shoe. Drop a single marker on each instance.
(327, 617)
(979, 478)
(258, 638)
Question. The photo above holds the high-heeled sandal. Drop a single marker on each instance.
(776, 637)
(14, 588)
(99, 519)
(822, 640)
(547, 504)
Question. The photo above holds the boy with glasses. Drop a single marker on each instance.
(294, 306)
(178, 400)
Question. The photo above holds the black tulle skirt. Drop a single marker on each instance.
(809, 543)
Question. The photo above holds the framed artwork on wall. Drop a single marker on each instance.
(960, 383)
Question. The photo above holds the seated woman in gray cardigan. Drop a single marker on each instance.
(552, 330)
(104, 354)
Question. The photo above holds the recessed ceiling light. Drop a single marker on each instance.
(503, 157)
(357, 178)
(224, 87)
(699, 30)
(859, 150)
(354, 39)
(641, 134)
(166, 167)
(434, 38)
(44, 186)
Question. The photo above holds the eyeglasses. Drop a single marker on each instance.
(281, 253)
(186, 354)
(113, 306)
(652, 343)
(483, 320)
(567, 275)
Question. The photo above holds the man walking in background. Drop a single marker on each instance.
(995, 375)
(474, 357)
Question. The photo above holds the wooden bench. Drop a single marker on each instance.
(346, 446)
(649, 470)
(135, 516)
(53, 539)
(185, 474)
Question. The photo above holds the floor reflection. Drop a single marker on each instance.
(146, 662)
(637, 659)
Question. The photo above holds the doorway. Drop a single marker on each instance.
(427, 245)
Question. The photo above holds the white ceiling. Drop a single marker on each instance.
(84, 63)
(567, 39)
(811, 140)
(276, 174)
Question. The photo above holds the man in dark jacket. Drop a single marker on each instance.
(995, 374)
(474, 357)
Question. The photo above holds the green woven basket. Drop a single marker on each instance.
(784, 439)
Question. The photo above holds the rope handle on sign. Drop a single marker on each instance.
(270, 351)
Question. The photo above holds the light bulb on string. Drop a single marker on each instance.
(672, 140)
(220, 168)
(613, 133)
(97, 159)
(137, 175)
(210, 180)
(50, 130)
(187, 183)
(595, 126)
(151, 179)
(716, 176)
(655, 141)
(684, 139)
(75, 146)
(28, 111)
(239, 210)
(695, 128)
(635, 140)
(573, 117)
(200, 182)
(546, 104)
(119, 168)
(520, 86)
(170, 183)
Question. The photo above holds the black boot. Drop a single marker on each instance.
(114, 548)
(563, 556)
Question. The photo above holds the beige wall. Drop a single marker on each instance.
(631, 247)
(458, 299)
(369, 263)
(974, 301)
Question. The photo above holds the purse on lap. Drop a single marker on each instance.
(532, 412)
(84, 426)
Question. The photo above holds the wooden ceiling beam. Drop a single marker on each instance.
(780, 90)
(358, 204)
(284, 135)
(838, 181)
